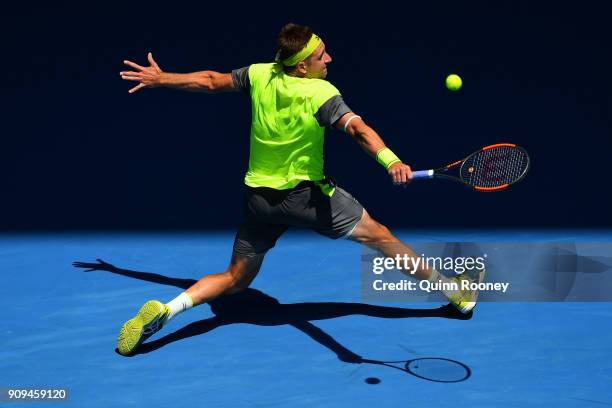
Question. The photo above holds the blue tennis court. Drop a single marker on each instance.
(287, 341)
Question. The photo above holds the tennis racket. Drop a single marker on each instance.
(434, 369)
(492, 168)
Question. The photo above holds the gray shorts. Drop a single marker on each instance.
(267, 213)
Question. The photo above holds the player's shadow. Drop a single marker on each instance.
(255, 307)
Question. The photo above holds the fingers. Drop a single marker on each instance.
(131, 78)
(408, 174)
(400, 174)
(133, 65)
(152, 61)
(141, 73)
(399, 178)
(130, 73)
(137, 87)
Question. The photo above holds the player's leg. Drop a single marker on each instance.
(238, 276)
(254, 238)
(153, 315)
(375, 235)
(341, 215)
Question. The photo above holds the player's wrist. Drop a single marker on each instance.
(387, 158)
(391, 165)
(164, 79)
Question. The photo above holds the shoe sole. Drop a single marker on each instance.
(132, 333)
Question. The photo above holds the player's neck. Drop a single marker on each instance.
(295, 73)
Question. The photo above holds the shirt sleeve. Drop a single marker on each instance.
(331, 111)
(241, 79)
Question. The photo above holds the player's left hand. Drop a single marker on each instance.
(400, 174)
(147, 76)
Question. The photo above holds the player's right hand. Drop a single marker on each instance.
(400, 174)
(147, 76)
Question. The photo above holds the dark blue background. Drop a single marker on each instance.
(79, 152)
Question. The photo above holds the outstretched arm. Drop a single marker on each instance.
(373, 144)
(152, 77)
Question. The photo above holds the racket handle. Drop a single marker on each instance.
(422, 174)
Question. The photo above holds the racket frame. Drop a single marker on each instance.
(441, 171)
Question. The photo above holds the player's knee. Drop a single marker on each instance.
(236, 288)
(234, 282)
(239, 276)
(371, 231)
(382, 234)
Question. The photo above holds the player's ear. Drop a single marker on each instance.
(302, 68)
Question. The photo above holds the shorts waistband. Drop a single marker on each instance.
(301, 185)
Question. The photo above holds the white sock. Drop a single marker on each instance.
(438, 277)
(179, 304)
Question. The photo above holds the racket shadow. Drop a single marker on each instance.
(252, 306)
(435, 369)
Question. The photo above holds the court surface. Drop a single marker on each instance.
(283, 343)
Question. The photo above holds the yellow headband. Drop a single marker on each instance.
(313, 43)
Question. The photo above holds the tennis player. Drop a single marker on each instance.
(292, 105)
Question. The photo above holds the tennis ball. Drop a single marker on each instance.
(453, 82)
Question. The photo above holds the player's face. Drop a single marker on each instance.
(316, 64)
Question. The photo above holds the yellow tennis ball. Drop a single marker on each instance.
(453, 82)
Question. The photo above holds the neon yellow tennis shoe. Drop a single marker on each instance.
(148, 321)
(465, 298)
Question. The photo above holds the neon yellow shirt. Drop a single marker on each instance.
(286, 138)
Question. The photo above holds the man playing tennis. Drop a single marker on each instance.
(292, 104)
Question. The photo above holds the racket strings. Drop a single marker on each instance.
(495, 167)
